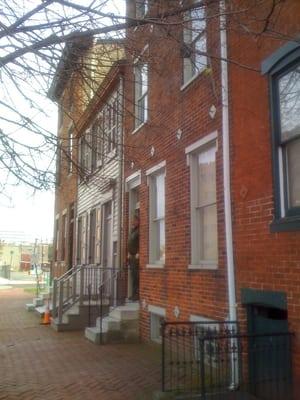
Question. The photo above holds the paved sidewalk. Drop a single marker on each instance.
(37, 363)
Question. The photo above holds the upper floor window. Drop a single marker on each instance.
(70, 146)
(204, 225)
(194, 43)
(141, 8)
(141, 93)
(285, 107)
(86, 153)
(156, 181)
(111, 124)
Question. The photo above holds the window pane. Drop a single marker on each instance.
(293, 172)
(160, 196)
(289, 97)
(207, 177)
(208, 233)
(200, 59)
(161, 255)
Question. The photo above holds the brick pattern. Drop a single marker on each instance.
(172, 108)
(264, 260)
(39, 363)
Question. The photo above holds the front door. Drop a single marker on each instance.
(134, 207)
(269, 352)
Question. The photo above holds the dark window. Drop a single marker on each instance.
(285, 112)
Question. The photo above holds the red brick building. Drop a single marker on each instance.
(177, 165)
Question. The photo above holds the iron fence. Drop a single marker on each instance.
(212, 360)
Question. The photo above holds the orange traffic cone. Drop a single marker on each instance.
(46, 319)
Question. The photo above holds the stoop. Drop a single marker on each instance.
(120, 326)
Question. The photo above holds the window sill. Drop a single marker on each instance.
(202, 266)
(285, 225)
(192, 79)
(155, 266)
(138, 128)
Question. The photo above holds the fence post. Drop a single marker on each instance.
(89, 300)
(163, 325)
(202, 368)
(60, 302)
(81, 271)
(54, 298)
(74, 286)
(101, 312)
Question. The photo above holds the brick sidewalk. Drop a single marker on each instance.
(36, 363)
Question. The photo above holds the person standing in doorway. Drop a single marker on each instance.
(133, 255)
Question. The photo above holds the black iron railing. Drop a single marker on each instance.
(111, 292)
(213, 360)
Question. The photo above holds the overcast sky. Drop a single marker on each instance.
(20, 208)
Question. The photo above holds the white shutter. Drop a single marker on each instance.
(83, 240)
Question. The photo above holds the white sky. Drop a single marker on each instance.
(20, 208)
(31, 213)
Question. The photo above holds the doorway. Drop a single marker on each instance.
(269, 351)
(134, 210)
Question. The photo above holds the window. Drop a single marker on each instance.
(141, 8)
(284, 73)
(194, 43)
(57, 238)
(70, 150)
(86, 153)
(81, 239)
(141, 93)
(92, 241)
(111, 124)
(58, 163)
(157, 317)
(157, 217)
(204, 227)
(63, 237)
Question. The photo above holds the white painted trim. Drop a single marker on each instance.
(201, 142)
(157, 310)
(64, 212)
(133, 180)
(193, 78)
(281, 183)
(138, 58)
(204, 266)
(156, 168)
(155, 266)
(199, 318)
(57, 216)
(139, 127)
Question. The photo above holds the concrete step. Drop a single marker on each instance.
(127, 312)
(120, 326)
(108, 323)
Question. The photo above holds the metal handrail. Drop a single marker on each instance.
(73, 285)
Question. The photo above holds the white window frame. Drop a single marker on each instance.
(156, 313)
(141, 8)
(192, 152)
(193, 37)
(152, 173)
(140, 99)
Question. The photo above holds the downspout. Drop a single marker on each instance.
(226, 166)
(227, 193)
(121, 175)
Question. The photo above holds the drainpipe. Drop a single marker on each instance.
(121, 175)
(227, 193)
(226, 166)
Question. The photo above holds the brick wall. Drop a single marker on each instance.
(201, 292)
(264, 260)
